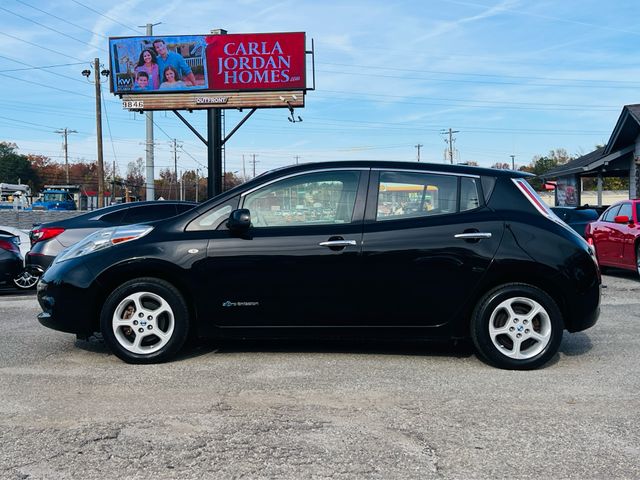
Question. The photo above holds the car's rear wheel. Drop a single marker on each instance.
(638, 258)
(26, 280)
(517, 327)
(145, 320)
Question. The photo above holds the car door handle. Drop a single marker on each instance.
(338, 243)
(472, 236)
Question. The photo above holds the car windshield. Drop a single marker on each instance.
(55, 197)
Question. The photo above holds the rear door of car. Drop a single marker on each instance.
(428, 240)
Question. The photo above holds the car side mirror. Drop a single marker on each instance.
(621, 219)
(239, 221)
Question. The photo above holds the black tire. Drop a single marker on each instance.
(517, 327)
(145, 320)
(638, 258)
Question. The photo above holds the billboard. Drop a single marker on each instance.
(207, 63)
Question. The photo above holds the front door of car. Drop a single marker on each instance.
(428, 240)
(628, 232)
(607, 238)
(299, 263)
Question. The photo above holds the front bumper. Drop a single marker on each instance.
(68, 300)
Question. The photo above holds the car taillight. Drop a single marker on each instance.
(9, 246)
(41, 234)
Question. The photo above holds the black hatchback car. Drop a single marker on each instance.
(385, 249)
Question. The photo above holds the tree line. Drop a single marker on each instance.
(40, 170)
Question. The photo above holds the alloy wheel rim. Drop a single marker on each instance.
(143, 323)
(26, 280)
(520, 328)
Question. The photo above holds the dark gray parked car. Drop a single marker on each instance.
(49, 239)
(577, 217)
(10, 258)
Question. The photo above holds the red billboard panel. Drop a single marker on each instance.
(208, 63)
(256, 61)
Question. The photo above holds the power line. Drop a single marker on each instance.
(43, 85)
(32, 66)
(40, 46)
(477, 82)
(62, 19)
(38, 68)
(52, 29)
(105, 16)
(523, 77)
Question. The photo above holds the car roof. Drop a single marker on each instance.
(436, 167)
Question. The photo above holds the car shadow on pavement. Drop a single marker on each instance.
(461, 349)
(620, 273)
(576, 344)
(16, 292)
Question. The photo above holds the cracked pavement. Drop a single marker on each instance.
(320, 410)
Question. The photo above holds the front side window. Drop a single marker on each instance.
(408, 194)
(214, 218)
(610, 214)
(320, 198)
(626, 209)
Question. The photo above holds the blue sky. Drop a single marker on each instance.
(513, 77)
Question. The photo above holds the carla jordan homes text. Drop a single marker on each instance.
(255, 62)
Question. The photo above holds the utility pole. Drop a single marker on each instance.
(175, 166)
(113, 183)
(96, 71)
(244, 170)
(254, 165)
(418, 147)
(450, 142)
(197, 185)
(513, 162)
(65, 131)
(297, 157)
(150, 186)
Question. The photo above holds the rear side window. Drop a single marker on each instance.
(149, 213)
(411, 194)
(469, 196)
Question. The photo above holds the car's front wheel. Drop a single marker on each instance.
(517, 327)
(145, 320)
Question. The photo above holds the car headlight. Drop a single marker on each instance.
(104, 238)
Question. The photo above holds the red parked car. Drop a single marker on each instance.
(616, 236)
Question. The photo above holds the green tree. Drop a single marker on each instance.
(14, 167)
(542, 164)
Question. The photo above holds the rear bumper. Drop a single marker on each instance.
(9, 269)
(585, 310)
(36, 264)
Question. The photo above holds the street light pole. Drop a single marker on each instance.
(96, 71)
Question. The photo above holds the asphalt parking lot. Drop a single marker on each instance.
(71, 410)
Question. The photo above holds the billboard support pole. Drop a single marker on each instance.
(149, 164)
(214, 152)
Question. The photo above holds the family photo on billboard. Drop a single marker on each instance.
(158, 64)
